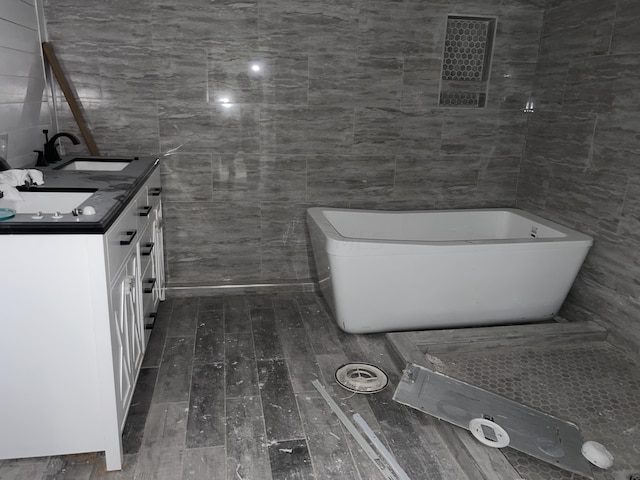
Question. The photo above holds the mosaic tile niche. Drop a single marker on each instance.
(466, 61)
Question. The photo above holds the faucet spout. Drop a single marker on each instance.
(51, 154)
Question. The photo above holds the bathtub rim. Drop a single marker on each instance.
(571, 238)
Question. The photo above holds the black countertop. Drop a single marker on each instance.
(114, 190)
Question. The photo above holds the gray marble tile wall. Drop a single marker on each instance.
(268, 107)
(581, 163)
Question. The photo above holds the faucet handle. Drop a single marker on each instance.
(41, 161)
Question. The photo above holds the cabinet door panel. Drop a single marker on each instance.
(120, 343)
(134, 301)
(127, 334)
(157, 257)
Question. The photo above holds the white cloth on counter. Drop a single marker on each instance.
(10, 192)
(18, 177)
(13, 177)
(36, 176)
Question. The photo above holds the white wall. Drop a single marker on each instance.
(24, 111)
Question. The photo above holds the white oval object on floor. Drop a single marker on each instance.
(597, 454)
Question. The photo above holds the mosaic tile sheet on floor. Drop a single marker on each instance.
(592, 384)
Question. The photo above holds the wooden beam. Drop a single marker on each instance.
(67, 90)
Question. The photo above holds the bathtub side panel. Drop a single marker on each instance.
(319, 246)
(442, 290)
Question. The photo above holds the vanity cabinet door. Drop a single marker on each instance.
(127, 333)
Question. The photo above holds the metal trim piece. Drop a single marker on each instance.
(386, 454)
(177, 290)
(354, 431)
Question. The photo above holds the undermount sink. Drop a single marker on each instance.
(94, 164)
(62, 201)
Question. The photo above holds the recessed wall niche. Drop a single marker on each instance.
(466, 61)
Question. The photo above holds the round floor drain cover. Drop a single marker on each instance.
(361, 378)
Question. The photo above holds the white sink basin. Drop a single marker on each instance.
(97, 165)
(46, 202)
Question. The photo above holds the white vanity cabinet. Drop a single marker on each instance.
(73, 311)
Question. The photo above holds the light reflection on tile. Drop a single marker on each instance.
(230, 76)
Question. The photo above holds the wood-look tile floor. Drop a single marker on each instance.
(225, 393)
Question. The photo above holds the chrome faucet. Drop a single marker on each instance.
(51, 154)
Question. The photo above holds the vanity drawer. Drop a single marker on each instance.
(150, 298)
(154, 189)
(148, 199)
(146, 247)
(121, 238)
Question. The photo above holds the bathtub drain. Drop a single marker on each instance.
(361, 378)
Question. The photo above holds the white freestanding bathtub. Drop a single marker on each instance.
(416, 270)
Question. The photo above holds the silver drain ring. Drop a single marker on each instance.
(361, 378)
